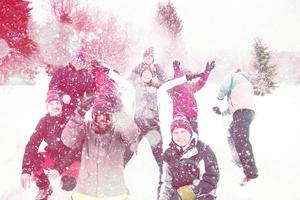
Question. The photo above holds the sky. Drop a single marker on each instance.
(214, 25)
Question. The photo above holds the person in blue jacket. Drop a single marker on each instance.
(240, 97)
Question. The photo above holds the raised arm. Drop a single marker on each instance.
(74, 132)
(55, 82)
(203, 77)
(225, 87)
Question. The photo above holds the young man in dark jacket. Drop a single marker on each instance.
(74, 82)
(182, 178)
(56, 160)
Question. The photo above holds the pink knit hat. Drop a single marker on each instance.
(53, 95)
(149, 52)
(181, 122)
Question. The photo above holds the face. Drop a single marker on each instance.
(148, 60)
(181, 137)
(103, 121)
(54, 108)
(78, 63)
(146, 76)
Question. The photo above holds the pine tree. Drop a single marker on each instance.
(167, 17)
(14, 22)
(265, 73)
(94, 32)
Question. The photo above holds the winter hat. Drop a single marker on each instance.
(238, 70)
(80, 56)
(181, 122)
(103, 105)
(149, 52)
(53, 95)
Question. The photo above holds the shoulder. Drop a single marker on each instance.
(202, 147)
(170, 154)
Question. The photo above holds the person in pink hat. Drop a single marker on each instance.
(56, 159)
(147, 77)
(182, 176)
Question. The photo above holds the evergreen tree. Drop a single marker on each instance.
(167, 17)
(19, 47)
(95, 32)
(265, 73)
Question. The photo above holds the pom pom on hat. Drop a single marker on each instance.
(149, 52)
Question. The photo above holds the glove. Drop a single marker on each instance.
(85, 104)
(186, 193)
(190, 76)
(210, 66)
(103, 69)
(25, 180)
(216, 110)
(176, 65)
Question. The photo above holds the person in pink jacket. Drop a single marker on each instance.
(181, 90)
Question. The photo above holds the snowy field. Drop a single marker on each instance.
(275, 135)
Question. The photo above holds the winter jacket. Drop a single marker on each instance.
(182, 167)
(146, 95)
(182, 94)
(239, 91)
(102, 169)
(73, 83)
(48, 129)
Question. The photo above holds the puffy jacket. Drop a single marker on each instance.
(239, 91)
(182, 168)
(183, 96)
(73, 83)
(102, 168)
(48, 129)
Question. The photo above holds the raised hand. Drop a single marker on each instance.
(210, 66)
(217, 110)
(176, 65)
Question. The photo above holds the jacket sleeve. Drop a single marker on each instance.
(126, 126)
(160, 74)
(127, 90)
(210, 177)
(91, 86)
(166, 191)
(74, 132)
(200, 83)
(55, 82)
(225, 87)
(32, 147)
(135, 73)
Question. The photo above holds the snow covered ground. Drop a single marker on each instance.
(275, 135)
